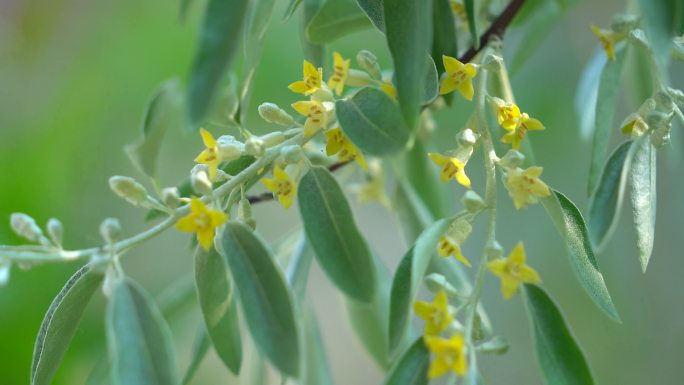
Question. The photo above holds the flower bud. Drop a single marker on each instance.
(229, 148)
(128, 189)
(110, 230)
(199, 180)
(369, 63)
(26, 227)
(638, 38)
(624, 23)
(492, 63)
(467, 137)
(472, 202)
(436, 282)
(323, 94)
(55, 231)
(291, 154)
(271, 113)
(356, 78)
(512, 159)
(255, 146)
(493, 250)
(4, 272)
(661, 136)
(664, 102)
(273, 138)
(459, 230)
(171, 197)
(658, 119)
(496, 345)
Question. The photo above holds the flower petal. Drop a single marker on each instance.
(451, 64)
(207, 138)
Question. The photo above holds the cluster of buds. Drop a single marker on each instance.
(655, 115)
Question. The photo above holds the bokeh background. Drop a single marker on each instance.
(75, 76)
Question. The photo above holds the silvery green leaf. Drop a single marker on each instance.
(444, 37)
(412, 367)
(316, 369)
(336, 18)
(642, 186)
(200, 349)
(472, 22)
(587, 92)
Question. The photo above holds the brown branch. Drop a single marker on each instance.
(497, 28)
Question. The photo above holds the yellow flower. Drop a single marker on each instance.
(519, 131)
(339, 144)
(507, 114)
(202, 220)
(211, 155)
(458, 77)
(282, 186)
(607, 38)
(436, 314)
(315, 115)
(449, 354)
(513, 271)
(389, 89)
(341, 68)
(524, 186)
(451, 168)
(447, 246)
(459, 10)
(313, 78)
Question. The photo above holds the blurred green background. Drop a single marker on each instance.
(75, 77)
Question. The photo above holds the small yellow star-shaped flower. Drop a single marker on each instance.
(450, 355)
(451, 168)
(211, 155)
(513, 271)
(203, 221)
(458, 77)
(339, 144)
(436, 314)
(282, 186)
(340, 71)
(524, 186)
(316, 115)
(448, 246)
(524, 124)
(312, 80)
(607, 38)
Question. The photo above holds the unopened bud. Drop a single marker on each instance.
(664, 102)
(356, 78)
(472, 202)
(466, 137)
(638, 38)
(55, 231)
(26, 227)
(660, 136)
(229, 148)
(459, 230)
(171, 197)
(273, 138)
(493, 250)
(323, 94)
(291, 154)
(110, 230)
(369, 63)
(199, 180)
(128, 189)
(271, 113)
(658, 119)
(496, 345)
(624, 23)
(492, 63)
(437, 282)
(4, 272)
(255, 146)
(512, 159)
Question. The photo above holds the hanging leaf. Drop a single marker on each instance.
(469, 6)
(605, 110)
(335, 19)
(431, 84)
(60, 323)
(162, 112)
(662, 20)
(219, 39)
(265, 297)
(444, 38)
(316, 367)
(140, 346)
(587, 92)
(642, 188)
(199, 350)
(374, 10)
(570, 224)
(607, 198)
(340, 248)
(407, 278)
(413, 216)
(219, 307)
(298, 268)
(408, 25)
(412, 367)
(371, 119)
(560, 358)
(313, 52)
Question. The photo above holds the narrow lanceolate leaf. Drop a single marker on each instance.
(607, 198)
(444, 40)
(407, 279)
(316, 370)
(265, 297)
(642, 186)
(219, 307)
(412, 367)
(371, 119)
(161, 113)
(471, 12)
(408, 27)
(199, 350)
(139, 341)
(291, 8)
(60, 322)
(374, 10)
(569, 222)
(220, 36)
(605, 110)
(662, 20)
(336, 18)
(560, 358)
(340, 249)
(431, 84)
(313, 52)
